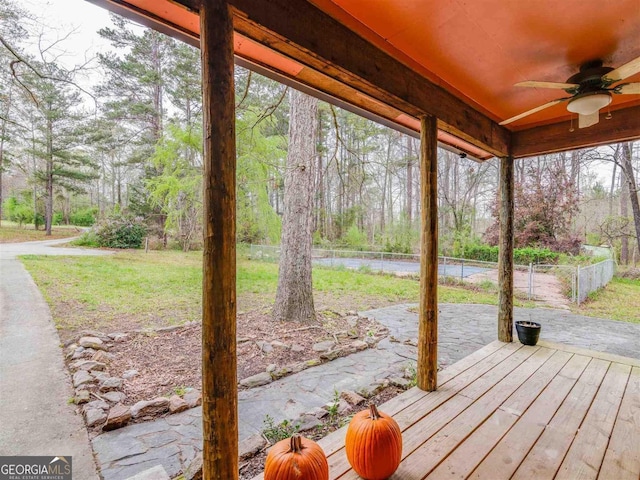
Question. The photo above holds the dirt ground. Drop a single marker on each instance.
(169, 361)
(547, 288)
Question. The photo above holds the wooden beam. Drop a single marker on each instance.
(428, 317)
(303, 32)
(219, 378)
(505, 258)
(623, 126)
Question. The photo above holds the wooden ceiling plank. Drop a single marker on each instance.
(624, 126)
(323, 44)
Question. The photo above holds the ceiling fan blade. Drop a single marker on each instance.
(628, 88)
(620, 73)
(585, 121)
(533, 110)
(533, 83)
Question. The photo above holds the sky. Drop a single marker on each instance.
(64, 15)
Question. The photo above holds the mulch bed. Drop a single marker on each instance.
(168, 361)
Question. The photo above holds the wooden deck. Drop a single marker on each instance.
(510, 411)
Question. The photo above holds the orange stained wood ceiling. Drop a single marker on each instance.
(480, 48)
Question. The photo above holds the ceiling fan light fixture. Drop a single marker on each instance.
(590, 103)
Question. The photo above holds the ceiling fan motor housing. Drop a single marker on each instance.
(590, 77)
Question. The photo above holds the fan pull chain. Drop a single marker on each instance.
(609, 116)
(571, 129)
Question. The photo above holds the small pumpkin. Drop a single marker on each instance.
(296, 458)
(373, 444)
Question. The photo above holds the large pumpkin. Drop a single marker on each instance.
(373, 444)
(296, 458)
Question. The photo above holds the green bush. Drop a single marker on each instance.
(17, 210)
(521, 256)
(84, 217)
(57, 219)
(87, 239)
(120, 231)
(355, 239)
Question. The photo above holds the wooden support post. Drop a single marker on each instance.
(505, 259)
(428, 322)
(219, 378)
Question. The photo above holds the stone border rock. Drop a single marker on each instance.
(99, 396)
(328, 350)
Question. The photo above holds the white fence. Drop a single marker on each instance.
(593, 277)
(528, 278)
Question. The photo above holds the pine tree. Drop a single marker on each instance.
(57, 143)
(133, 94)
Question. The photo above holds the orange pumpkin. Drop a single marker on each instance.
(296, 458)
(373, 444)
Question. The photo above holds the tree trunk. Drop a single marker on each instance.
(2, 134)
(35, 184)
(613, 185)
(294, 296)
(409, 180)
(624, 212)
(627, 168)
(320, 200)
(48, 213)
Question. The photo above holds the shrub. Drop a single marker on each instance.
(87, 239)
(84, 217)
(521, 256)
(18, 211)
(121, 231)
(355, 239)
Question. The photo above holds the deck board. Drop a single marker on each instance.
(509, 411)
(544, 459)
(546, 388)
(508, 453)
(584, 458)
(622, 458)
(436, 448)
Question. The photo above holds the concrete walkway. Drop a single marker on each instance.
(173, 441)
(35, 418)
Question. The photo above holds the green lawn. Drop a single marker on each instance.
(133, 289)
(11, 232)
(619, 300)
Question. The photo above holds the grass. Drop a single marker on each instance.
(133, 289)
(11, 232)
(619, 300)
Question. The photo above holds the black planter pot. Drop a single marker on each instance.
(528, 332)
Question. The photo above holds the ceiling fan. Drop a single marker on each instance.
(590, 90)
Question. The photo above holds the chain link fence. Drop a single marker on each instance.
(530, 279)
(591, 278)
